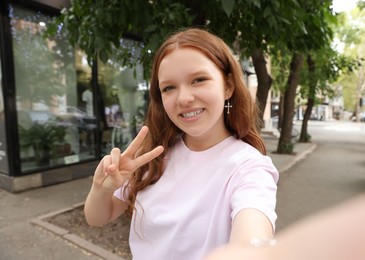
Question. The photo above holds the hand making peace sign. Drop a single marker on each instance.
(114, 169)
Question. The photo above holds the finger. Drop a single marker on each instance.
(107, 160)
(149, 156)
(101, 170)
(115, 156)
(137, 141)
(110, 170)
(113, 162)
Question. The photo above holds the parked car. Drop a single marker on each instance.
(27, 118)
(84, 121)
(71, 116)
(361, 115)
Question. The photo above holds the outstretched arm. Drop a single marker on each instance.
(336, 234)
(250, 224)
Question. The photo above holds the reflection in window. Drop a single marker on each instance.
(55, 127)
(124, 95)
(58, 117)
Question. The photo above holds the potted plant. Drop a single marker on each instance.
(43, 138)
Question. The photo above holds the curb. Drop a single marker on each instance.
(297, 158)
(70, 237)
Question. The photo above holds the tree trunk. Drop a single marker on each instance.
(281, 110)
(304, 136)
(285, 145)
(263, 79)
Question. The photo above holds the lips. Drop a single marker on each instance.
(192, 113)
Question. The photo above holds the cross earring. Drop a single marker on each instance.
(228, 106)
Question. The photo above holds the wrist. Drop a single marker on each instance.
(101, 189)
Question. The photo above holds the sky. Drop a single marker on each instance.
(343, 5)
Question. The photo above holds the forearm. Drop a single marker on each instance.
(337, 233)
(98, 206)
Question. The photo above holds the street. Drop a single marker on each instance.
(333, 172)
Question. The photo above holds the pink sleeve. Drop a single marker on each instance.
(120, 193)
(253, 185)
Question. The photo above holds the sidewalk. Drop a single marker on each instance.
(24, 236)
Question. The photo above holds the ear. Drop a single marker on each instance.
(229, 87)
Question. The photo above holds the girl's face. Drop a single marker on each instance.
(193, 94)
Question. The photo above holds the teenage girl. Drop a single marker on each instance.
(196, 177)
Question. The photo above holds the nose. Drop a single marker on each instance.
(185, 96)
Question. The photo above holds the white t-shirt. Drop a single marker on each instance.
(190, 210)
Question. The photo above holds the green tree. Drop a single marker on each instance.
(351, 36)
(252, 27)
(323, 67)
(317, 19)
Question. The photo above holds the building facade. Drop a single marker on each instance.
(58, 114)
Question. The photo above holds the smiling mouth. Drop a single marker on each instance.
(192, 114)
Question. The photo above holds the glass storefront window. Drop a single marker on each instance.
(59, 122)
(124, 96)
(4, 166)
(56, 120)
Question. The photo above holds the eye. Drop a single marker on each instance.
(199, 79)
(167, 88)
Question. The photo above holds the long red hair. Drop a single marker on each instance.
(242, 121)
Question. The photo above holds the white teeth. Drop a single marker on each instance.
(194, 113)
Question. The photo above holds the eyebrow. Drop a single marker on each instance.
(194, 74)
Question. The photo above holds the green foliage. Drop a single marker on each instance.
(41, 136)
(313, 36)
(351, 42)
(264, 23)
(329, 66)
(165, 18)
(280, 61)
(285, 148)
(279, 28)
(361, 4)
(97, 27)
(37, 76)
(228, 6)
(307, 139)
(314, 27)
